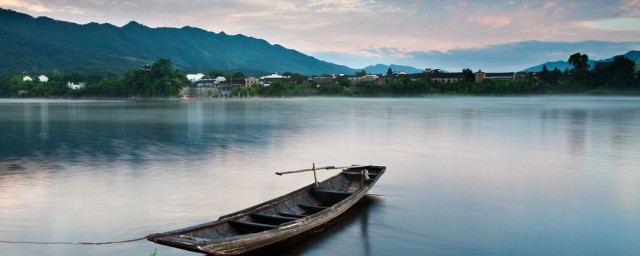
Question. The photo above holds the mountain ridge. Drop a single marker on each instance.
(49, 44)
(562, 64)
(382, 68)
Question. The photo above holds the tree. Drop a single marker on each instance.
(580, 70)
(238, 75)
(468, 75)
(389, 71)
(619, 74)
(277, 89)
(361, 73)
(215, 73)
(544, 75)
(555, 76)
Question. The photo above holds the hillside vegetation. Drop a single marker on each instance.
(41, 45)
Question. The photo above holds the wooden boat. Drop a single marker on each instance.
(305, 211)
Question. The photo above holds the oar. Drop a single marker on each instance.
(314, 169)
(330, 167)
(310, 169)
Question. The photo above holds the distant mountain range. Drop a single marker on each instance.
(381, 69)
(44, 45)
(30, 44)
(562, 65)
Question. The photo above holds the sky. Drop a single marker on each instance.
(451, 35)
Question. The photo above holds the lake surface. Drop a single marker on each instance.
(465, 175)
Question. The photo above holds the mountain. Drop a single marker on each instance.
(632, 55)
(562, 65)
(381, 68)
(45, 44)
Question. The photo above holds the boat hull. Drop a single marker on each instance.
(210, 238)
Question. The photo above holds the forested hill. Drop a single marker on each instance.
(564, 65)
(42, 43)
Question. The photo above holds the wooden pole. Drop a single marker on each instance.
(315, 178)
(306, 170)
(330, 167)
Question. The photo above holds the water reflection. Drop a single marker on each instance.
(492, 176)
(577, 131)
(132, 131)
(356, 218)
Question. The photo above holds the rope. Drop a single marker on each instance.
(75, 243)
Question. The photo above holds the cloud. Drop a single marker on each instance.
(616, 24)
(494, 58)
(381, 30)
(493, 21)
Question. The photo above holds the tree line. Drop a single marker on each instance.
(162, 80)
(157, 80)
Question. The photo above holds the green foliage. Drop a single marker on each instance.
(105, 49)
(154, 252)
(276, 89)
(580, 71)
(618, 75)
(468, 75)
(161, 80)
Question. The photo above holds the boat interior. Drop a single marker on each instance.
(291, 207)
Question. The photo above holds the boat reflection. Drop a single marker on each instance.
(358, 213)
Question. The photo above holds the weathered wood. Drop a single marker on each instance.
(330, 197)
(253, 225)
(272, 218)
(303, 211)
(308, 170)
(299, 216)
(330, 167)
(312, 208)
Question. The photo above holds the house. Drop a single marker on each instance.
(445, 78)
(76, 86)
(27, 79)
(205, 81)
(320, 80)
(353, 80)
(194, 77)
(266, 80)
(219, 80)
(43, 79)
(238, 82)
(249, 81)
(481, 76)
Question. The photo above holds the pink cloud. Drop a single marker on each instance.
(493, 21)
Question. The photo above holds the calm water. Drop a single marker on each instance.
(465, 176)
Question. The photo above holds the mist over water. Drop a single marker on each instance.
(465, 175)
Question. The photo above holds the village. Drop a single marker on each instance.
(207, 86)
(620, 74)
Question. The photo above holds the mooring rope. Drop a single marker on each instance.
(75, 243)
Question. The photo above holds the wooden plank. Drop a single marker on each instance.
(272, 218)
(253, 225)
(292, 215)
(330, 196)
(312, 208)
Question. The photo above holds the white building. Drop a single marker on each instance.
(195, 77)
(43, 79)
(219, 80)
(267, 80)
(27, 79)
(76, 86)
